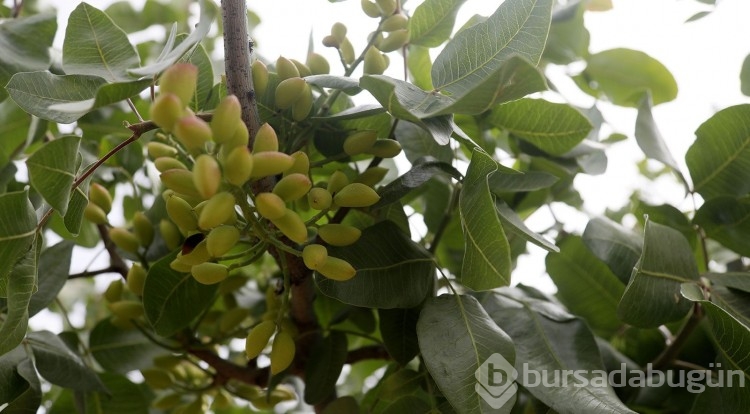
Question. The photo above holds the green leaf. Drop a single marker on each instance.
(726, 220)
(734, 280)
(418, 143)
(346, 84)
(200, 58)
(356, 112)
(549, 340)
(719, 159)
(31, 399)
(171, 54)
(392, 270)
(585, 285)
(55, 261)
(624, 75)
(432, 22)
(65, 98)
(614, 245)
(486, 262)
(413, 179)
(14, 128)
(124, 397)
(745, 76)
(734, 302)
(20, 286)
(731, 338)
(649, 138)
(95, 45)
(172, 299)
(398, 328)
(568, 39)
(119, 350)
(517, 28)
(456, 337)
(552, 127)
(73, 219)
(25, 42)
(59, 365)
(327, 358)
(514, 223)
(515, 181)
(420, 65)
(52, 170)
(17, 231)
(652, 297)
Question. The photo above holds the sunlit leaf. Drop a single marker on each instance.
(613, 244)
(726, 220)
(648, 136)
(652, 297)
(17, 231)
(95, 45)
(25, 44)
(432, 22)
(719, 159)
(456, 336)
(514, 224)
(568, 39)
(20, 286)
(414, 178)
(486, 262)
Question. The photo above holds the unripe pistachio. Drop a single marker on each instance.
(171, 234)
(318, 64)
(258, 337)
(395, 22)
(247, 391)
(337, 181)
(238, 166)
(286, 69)
(339, 234)
(136, 279)
(265, 139)
(166, 110)
(330, 41)
(193, 133)
(209, 273)
(302, 107)
(180, 212)
(319, 198)
(385, 148)
(387, 7)
(347, 51)
(199, 254)
(336, 269)
(180, 266)
(260, 78)
(282, 352)
(113, 293)
(95, 214)
(277, 395)
(292, 226)
(292, 187)
(232, 318)
(301, 68)
(100, 196)
(378, 38)
(356, 195)
(395, 40)
(206, 175)
(157, 378)
(157, 149)
(314, 255)
(180, 181)
(338, 30)
(181, 80)
(224, 120)
(167, 402)
(372, 176)
(374, 62)
(168, 163)
(289, 91)
(301, 164)
(221, 239)
(222, 401)
(270, 163)
(270, 205)
(124, 239)
(240, 138)
(360, 141)
(126, 309)
(143, 229)
(218, 210)
(371, 9)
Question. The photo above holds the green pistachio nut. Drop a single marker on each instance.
(387, 7)
(181, 214)
(265, 139)
(168, 163)
(301, 164)
(395, 40)
(224, 121)
(282, 352)
(360, 141)
(238, 166)
(301, 68)
(337, 181)
(339, 234)
(221, 239)
(370, 8)
(206, 175)
(218, 210)
(318, 64)
(336, 269)
(158, 149)
(270, 163)
(113, 293)
(292, 187)
(95, 214)
(356, 195)
(319, 198)
(372, 176)
(198, 255)
(209, 273)
(270, 205)
(171, 234)
(260, 77)
(286, 69)
(338, 30)
(166, 110)
(126, 309)
(143, 229)
(124, 239)
(180, 181)
(314, 255)
(289, 91)
(347, 51)
(292, 226)
(232, 318)
(374, 62)
(193, 133)
(330, 41)
(258, 338)
(395, 22)
(180, 79)
(99, 195)
(136, 279)
(302, 107)
(385, 148)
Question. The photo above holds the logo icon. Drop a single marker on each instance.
(496, 381)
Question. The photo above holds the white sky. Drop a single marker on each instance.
(704, 56)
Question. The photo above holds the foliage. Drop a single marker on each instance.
(273, 255)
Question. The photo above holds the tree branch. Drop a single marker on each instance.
(115, 261)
